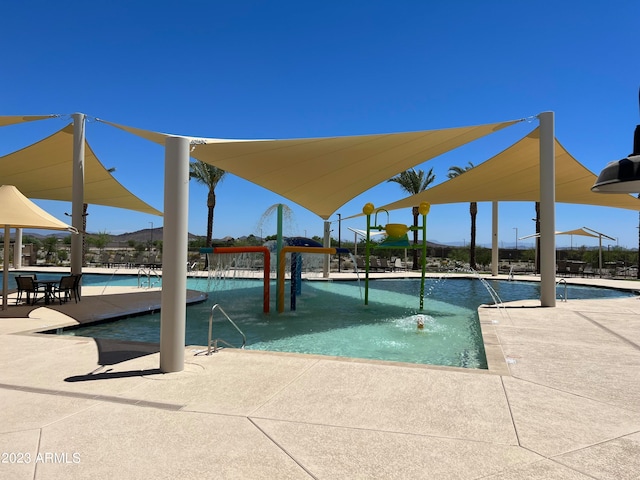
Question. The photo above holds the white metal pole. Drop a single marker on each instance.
(495, 257)
(77, 192)
(175, 243)
(17, 249)
(326, 243)
(547, 210)
(600, 255)
(5, 264)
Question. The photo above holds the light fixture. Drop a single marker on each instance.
(621, 176)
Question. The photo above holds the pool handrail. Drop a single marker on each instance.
(215, 342)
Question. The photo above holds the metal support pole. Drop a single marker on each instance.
(77, 192)
(547, 210)
(600, 255)
(175, 243)
(366, 261)
(424, 259)
(279, 243)
(326, 242)
(5, 264)
(495, 256)
(339, 240)
(17, 249)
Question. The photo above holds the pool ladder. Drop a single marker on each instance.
(143, 272)
(558, 283)
(213, 344)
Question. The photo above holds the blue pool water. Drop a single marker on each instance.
(331, 318)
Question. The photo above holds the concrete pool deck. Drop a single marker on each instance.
(561, 402)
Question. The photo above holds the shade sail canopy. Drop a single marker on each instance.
(14, 119)
(578, 231)
(322, 174)
(17, 211)
(514, 175)
(44, 170)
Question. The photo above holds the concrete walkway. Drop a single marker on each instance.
(561, 401)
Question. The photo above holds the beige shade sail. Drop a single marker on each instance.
(322, 174)
(17, 211)
(44, 170)
(578, 231)
(514, 175)
(14, 119)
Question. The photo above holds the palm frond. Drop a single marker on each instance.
(413, 182)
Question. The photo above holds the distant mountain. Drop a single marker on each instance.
(148, 234)
(141, 236)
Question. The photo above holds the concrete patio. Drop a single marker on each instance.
(561, 400)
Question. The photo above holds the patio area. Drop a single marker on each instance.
(561, 400)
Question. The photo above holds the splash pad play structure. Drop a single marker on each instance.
(284, 245)
(396, 238)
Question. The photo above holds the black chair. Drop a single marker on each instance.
(27, 284)
(76, 286)
(65, 289)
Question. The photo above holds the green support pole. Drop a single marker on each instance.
(278, 249)
(424, 259)
(423, 209)
(366, 262)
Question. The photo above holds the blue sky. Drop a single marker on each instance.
(288, 69)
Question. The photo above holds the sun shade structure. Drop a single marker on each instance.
(17, 211)
(322, 174)
(514, 175)
(44, 171)
(579, 231)
(15, 119)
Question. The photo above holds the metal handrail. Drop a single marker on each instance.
(215, 342)
(562, 280)
(148, 273)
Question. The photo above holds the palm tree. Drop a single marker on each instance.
(473, 211)
(414, 182)
(209, 176)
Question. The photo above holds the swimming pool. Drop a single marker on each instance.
(331, 319)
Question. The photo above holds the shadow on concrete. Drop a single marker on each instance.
(112, 352)
(109, 375)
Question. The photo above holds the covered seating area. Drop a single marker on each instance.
(32, 290)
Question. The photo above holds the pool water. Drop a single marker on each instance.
(331, 318)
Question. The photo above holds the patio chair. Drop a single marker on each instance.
(65, 289)
(384, 264)
(76, 286)
(575, 269)
(374, 264)
(27, 284)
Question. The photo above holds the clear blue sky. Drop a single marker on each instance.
(287, 69)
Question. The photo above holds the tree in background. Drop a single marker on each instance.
(99, 240)
(413, 183)
(50, 244)
(209, 176)
(473, 211)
